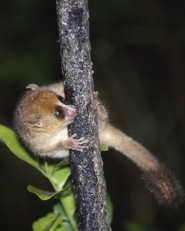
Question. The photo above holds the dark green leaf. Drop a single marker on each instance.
(42, 194)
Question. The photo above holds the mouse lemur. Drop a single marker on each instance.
(41, 120)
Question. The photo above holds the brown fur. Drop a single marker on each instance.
(165, 186)
(38, 126)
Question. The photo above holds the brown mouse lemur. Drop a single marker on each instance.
(41, 120)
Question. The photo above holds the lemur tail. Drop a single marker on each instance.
(159, 180)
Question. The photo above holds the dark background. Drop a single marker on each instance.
(138, 52)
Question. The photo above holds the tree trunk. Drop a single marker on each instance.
(87, 166)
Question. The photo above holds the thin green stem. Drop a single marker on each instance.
(47, 173)
(70, 218)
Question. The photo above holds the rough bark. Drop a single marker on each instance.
(87, 166)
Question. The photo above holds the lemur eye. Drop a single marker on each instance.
(58, 112)
(62, 100)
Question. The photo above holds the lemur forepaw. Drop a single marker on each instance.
(77, 144)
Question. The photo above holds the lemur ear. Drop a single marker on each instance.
(34, 121)
(33, 86)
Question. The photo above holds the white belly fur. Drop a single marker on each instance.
(60, 135)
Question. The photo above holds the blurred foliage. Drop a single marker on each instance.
(138, 55)
(133, 226)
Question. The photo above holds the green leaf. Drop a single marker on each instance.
(69, 226)
(9, 137)
(50, 225)
(57, 208)
(51, 222)
(60, 176)
(69, 203)
(104, 147)
(42, 194)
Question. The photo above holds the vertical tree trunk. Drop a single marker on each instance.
(87, 166)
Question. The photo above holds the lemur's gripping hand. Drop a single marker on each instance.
(76, 144)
